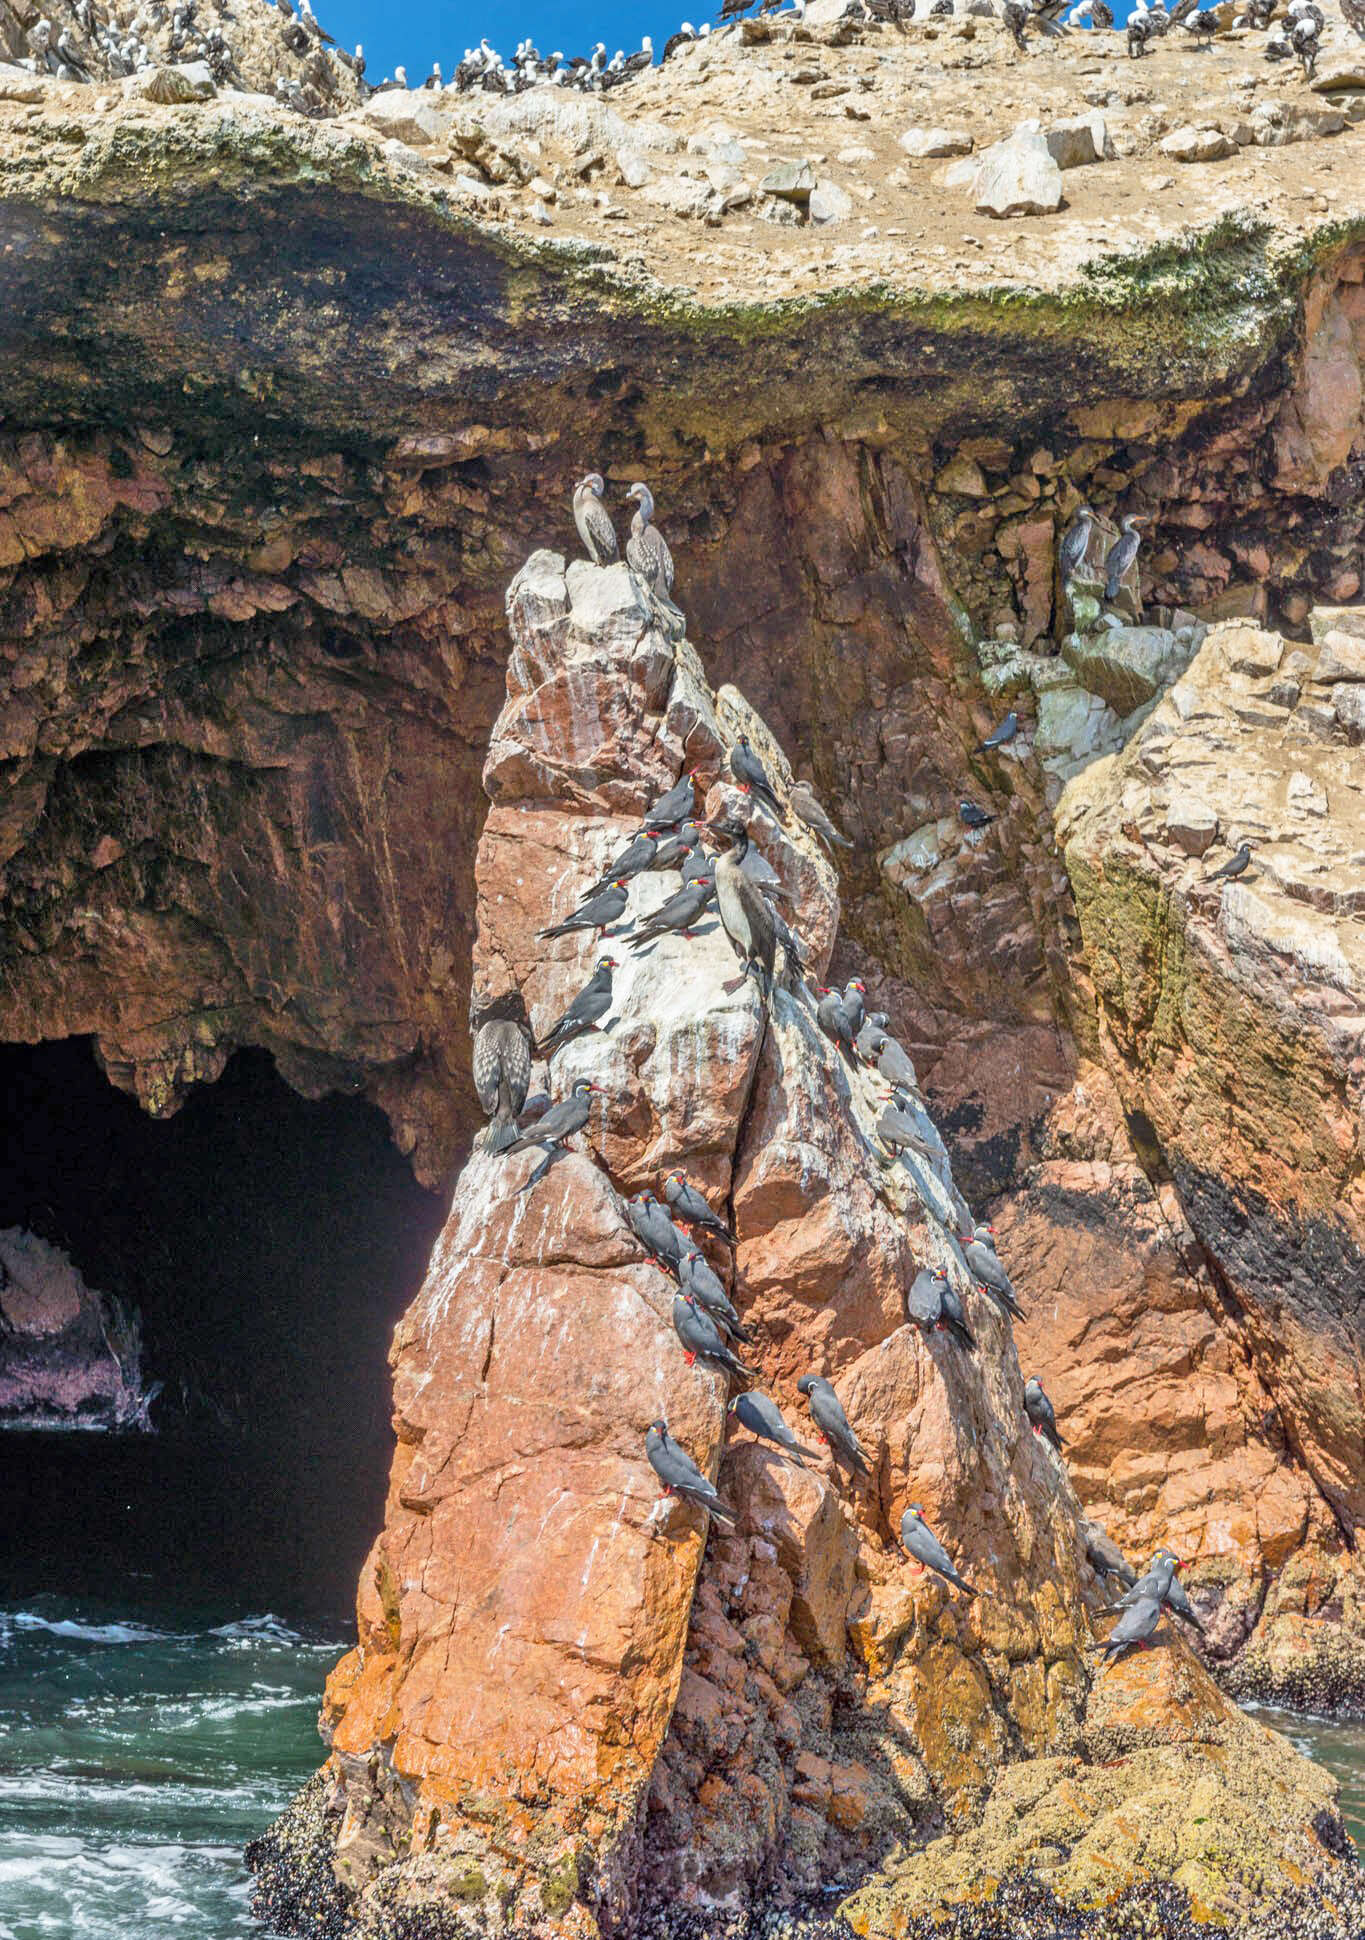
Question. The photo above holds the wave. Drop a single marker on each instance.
(85, 1633)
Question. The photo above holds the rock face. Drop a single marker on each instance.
(1230, 1019)
(578, 1712)
(72, 1357)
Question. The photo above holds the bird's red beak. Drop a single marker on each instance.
(599, 1088)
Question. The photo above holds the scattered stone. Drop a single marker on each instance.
(176, 85)
(934, 142)
(632, 168)
(1306, 796)
(410, 115)
(1018, 178)
(1341, 657)
(1080, 140)
(791, 182)
(1190, 144)
(829, 203)
(964, 476)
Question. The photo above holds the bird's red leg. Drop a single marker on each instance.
(691, 1359)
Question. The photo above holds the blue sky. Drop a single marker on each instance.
(423, 31)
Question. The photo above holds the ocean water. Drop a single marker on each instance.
(139, 1752)
(1338, 1745)
(142, 1748)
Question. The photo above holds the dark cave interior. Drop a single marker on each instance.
(269, 1244)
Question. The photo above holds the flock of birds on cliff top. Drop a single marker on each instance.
(105, 43)
(1296, 32)
(742, 886)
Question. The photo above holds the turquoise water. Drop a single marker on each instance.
(140, 1752)
(1341, 1747)
(137, 1757)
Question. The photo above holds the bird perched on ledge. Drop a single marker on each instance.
(502, 1076)
(752, 776)
(827, 1412)
(646, 549)
(1236, 865)
(1040, 1412)
(592, 1002)
(594, 524)
(808, 810)
(760, 1414)
(928, 1552)
(680, 1474)
(743, 908)
(688, 1206)
(598, 912)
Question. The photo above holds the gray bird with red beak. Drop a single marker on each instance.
(761, 1415)
(920, 1542)
(987, 1271)
(591, 1004)
(702, 1339)
(1040, 1412)
(559, 1123)
(679, 1473)
(1134, 1627)
(827, 1412)
(690, 1209)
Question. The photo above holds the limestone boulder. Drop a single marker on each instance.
(1018, 177)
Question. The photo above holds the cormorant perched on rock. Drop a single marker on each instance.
(1120, 556)
(827, 1412)
(1075, 543)
(701, 1283)
(702, 1339)
(988, 1270)
(676, 917)
(680, 1474)
(1135, 1626)
(808, 810)
(502, 1076)
(592, 1002)
(646, 549)
(1236, 865)
(752, 776)
(678, 805)
(761, 1415)
(928, 1552)
(744, 912)
(999, 737)
(1040, 1412)
(973, 817)
(597, 912)
(594, 524)
(688, 1206)
(1015, 17)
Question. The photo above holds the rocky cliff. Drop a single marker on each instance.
(289, 403)
(567, 1711)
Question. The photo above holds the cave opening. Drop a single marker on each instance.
(252, 1253)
